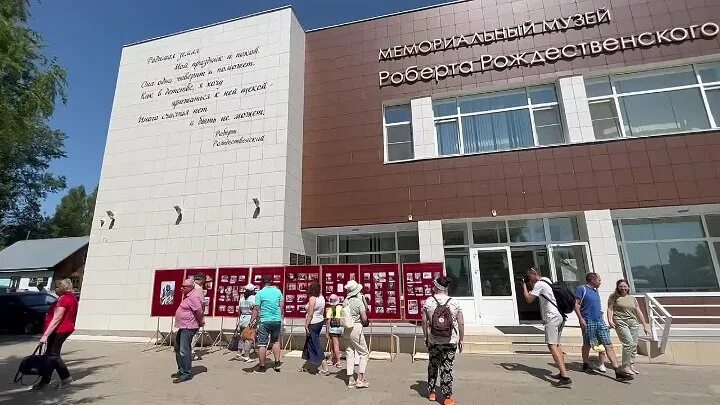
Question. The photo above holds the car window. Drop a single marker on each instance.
(34, 300)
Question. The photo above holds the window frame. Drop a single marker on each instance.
(337, 255)
(529, 107)
(622, 243)
(397, 124)
(614, 97)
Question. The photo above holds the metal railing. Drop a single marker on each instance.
(661, 320)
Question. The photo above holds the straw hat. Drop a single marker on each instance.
(353, 288)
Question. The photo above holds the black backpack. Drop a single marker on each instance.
(441, 323)
(563, 296)
(33, 364)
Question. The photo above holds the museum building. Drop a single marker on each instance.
(490, 135)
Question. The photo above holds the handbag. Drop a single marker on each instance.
(33, 364)
(234, 343)
(249, 333)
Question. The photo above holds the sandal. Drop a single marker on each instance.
(303, 370)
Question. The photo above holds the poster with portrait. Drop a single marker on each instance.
(167, 292)
(382, 290)
(208, 287)
(276, 273)
(297, 280)
(418, 279)
(231, 282)
(334, 277)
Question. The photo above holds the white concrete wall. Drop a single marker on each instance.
(431, 241)
(576, 110)
(151, 166)
(603, 249)
(423, 127)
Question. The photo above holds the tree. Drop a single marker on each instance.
(30, 86)
(74, 215)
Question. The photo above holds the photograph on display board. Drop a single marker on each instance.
(335, 276)
(419, 280)
(230, 286)
(379, 282)
(167, 292)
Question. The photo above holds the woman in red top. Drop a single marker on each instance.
(59, 324)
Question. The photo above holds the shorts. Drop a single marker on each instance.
(596, 333)
(268, 333)
(553, 330)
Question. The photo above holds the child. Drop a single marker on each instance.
(333, 327)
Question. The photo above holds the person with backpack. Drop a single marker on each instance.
(444, 330)
(354, 316)
(334, 328)
(553, 313)
(588, 308)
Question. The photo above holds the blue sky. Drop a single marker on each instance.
(87, 36)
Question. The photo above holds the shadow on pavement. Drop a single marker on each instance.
(15, 339)
(17, 394)
(539, 373)
(421, 388)
(577, 366)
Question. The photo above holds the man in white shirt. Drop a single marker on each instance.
(551, 315)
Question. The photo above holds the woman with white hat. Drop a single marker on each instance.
(353, 335)
(246, 305)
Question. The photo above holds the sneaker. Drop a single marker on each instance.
(563, 382)
(634, 370)
(449, 401)
(244, 358)
(432, 397)
(351, 383)
(362, 384)
(38, 386)
(175, 375)
(260, 369)
(65, 383)
(621, 375)
(276, 366)
(600, 368)
(181, 379)
(556, 376)
(586, 368)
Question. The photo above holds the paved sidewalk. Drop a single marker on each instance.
(118, 373)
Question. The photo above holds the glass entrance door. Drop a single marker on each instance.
(570, 262)
(494, 286)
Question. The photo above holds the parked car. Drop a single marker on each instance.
(24, 312)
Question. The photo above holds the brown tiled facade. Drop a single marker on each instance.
(345, 179)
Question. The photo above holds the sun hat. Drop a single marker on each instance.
(250, 287)
(353, 288)
(333, 299)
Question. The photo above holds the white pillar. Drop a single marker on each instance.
(431, 241)
(576, 110)
(423, 127)
(603, 250)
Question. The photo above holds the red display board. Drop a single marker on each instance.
(418, 279)
(297, 280)
(277, 273)
(167, 292)
(381, 284)
(209, 287)
(231, 282)
(335, 276)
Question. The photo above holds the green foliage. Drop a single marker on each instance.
(73, 216)
(30, 86)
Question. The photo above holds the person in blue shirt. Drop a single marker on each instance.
(268, 304)
(588, 309)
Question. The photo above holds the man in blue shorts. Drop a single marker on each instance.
(589, 312)
(268, 304)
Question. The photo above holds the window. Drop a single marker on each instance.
(563, 229)
(670, 254)
(662, 101)
(398, 133)
(457, 266)
(455, 234)
(380, 247)
(489, 232)
(527, 230)
(504, 120)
